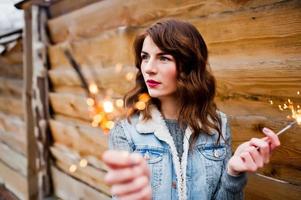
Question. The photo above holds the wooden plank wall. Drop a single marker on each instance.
(255, 55)
(13, 158)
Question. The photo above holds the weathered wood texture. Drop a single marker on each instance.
(83, 167)
(254, 52)
(11, 105)
(39, 102)
(11, 87)
(82, 138)
(13, 181)
(12, 124)
(104, 77)
(11, 62)
(88, 21)
(265, 189)
(66, 6)
(13, 159)
(66, 187)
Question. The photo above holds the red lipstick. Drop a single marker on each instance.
(152, 83)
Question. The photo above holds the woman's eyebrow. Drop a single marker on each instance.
(159, 54)
(163, 54)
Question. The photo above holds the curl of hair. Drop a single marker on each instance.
(196, 85)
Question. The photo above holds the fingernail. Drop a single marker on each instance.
(265, 130)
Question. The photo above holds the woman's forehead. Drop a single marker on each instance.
(150, 47)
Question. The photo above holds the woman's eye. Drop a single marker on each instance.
(144, 57)
(163, 58)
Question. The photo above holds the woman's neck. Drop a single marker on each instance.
(169, 108)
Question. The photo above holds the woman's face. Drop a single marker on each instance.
(158, 70)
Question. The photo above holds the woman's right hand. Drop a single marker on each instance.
(128, 175)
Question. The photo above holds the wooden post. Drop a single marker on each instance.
(36, 103)
(40, 105)
(30, 137)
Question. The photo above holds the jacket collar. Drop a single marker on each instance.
(157, 126)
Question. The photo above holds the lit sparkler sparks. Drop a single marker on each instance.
(103, 113)
(295, 113)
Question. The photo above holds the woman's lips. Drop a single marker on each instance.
(152, 83)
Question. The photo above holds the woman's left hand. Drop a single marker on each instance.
(253, 154)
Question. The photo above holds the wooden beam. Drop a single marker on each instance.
(98, 16)
(32, 180)
(84, 139)
(14, 160)
(15, 106)
(39, 99)
(14, 181)
(64, 7)
(11, 70)
(106, 78)
(11, 87)
(264, 188)
(66, 187)
(65, 158)
(13, 124)
(14, 141)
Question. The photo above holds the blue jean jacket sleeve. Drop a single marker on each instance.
(230, 187)
(118, 139)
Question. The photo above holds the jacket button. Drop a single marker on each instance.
(216, 154)
(174, 185)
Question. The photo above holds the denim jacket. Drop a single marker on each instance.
(201, 174)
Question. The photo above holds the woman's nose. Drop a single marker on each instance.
(151, 67)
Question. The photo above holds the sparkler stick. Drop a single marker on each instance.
(286, 128)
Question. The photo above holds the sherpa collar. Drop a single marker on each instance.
(157, 126)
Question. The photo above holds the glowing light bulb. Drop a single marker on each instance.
(72, 168)
(129, 76)
(94, 124)
(83, 163)
(140, 105)
(97, 118)
(93, 88)
(90, 102)
(108, 106)
(109, 124)
(144, 97)
(119, 103)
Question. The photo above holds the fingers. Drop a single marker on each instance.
(263, 148)
(125, 174)
(128, 174)
(144, 194)
(119, 159)
(272, 137)
(249, 163)
(254, 153)
(133, 186)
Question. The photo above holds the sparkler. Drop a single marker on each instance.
(296, 114)
(100, 111)
(104, 112)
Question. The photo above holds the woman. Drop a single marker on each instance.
(179, 146)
